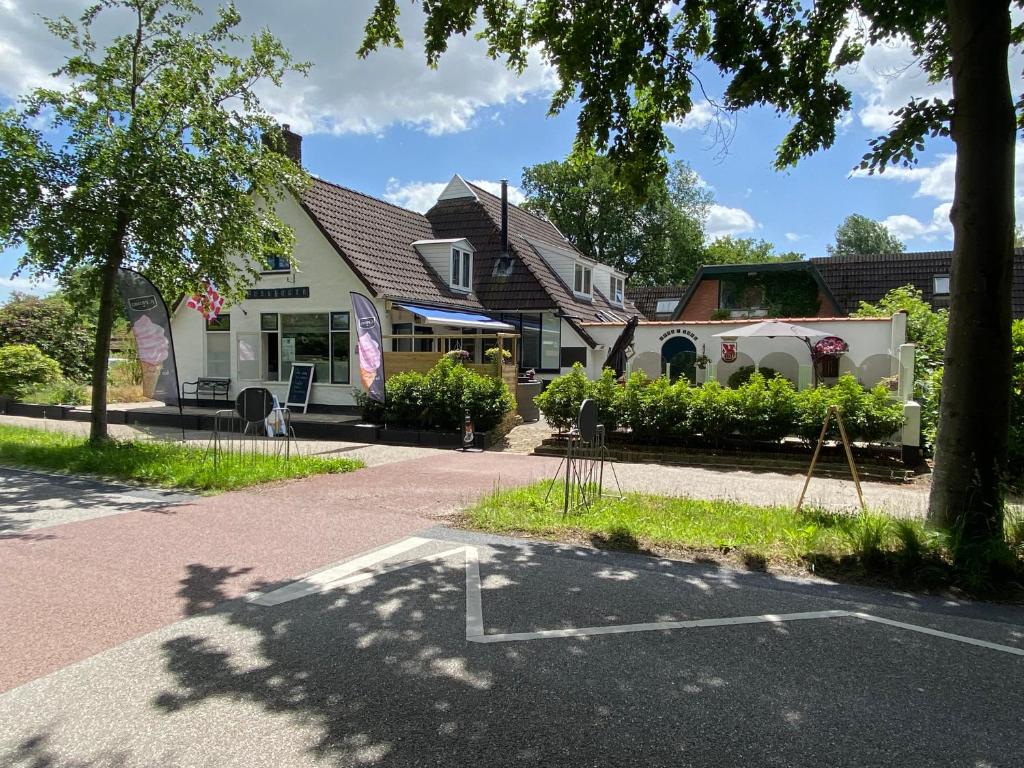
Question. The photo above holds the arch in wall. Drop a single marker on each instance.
(679, 358)
(725, 370)
(783, 363)
(875, 368)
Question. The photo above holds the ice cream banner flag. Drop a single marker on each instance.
(151, 327)
(369, 345)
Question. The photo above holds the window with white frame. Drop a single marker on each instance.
(462, 270)
(218, 347)
(940, 285)
(617, 290)
(581, 281)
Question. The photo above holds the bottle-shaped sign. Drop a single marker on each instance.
(468, 435)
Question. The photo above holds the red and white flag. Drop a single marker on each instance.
(208, 305)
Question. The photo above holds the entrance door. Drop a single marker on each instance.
(247, 359)
(679, 358)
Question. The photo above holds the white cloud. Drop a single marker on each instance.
(793, 237)
(723, 220)
(421, 195)
(908, 228)
(342, 94)
(28, 285)
(699, 118)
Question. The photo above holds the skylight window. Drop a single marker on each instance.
(940, 285)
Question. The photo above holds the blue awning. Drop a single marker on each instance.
(431, 316)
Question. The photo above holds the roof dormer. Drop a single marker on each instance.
(451, 258)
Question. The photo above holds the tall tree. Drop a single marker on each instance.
(632, 64)
(745, 250)
(859, 235)
(158, 165)
(656, 237)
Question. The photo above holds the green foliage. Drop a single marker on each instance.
(859, 235)
(790, 293)
(869, 416)
(742, 375)
(656, 237)
(94, 171)
(873, 546)
(765, 406)
(1015, 453)
(24, 367)
(745, 250)
(659, 411)
(153, 462)
(561, 399)
(440, 398)
(926, 330)
(61, 392)
(53, 325)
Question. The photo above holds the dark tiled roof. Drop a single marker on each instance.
(523, 225)
(376, 238)
(854, 279)
(646, 298)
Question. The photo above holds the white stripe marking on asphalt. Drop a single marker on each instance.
(362, 569)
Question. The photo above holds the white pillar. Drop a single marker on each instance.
(712, 371)
(910, 438)
(906, 372)
(805, 378)
(899, 330)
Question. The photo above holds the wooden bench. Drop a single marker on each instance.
(205, 386)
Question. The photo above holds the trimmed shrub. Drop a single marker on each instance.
(656, 411)
(765, 408)
(712, 411)
(868, 415)
(560, 401)
(741, 376)
(440, 398)
(23, 368)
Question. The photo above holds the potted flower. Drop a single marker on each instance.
(458, 355)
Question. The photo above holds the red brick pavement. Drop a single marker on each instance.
(70, 591)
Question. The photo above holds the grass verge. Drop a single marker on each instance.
(155, 463)
(869, 548)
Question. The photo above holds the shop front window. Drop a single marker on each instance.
(218, 347)
(306, 339)
(340, 354)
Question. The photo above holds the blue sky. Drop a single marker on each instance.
(392, 128)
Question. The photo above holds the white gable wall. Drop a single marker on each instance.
(329, 280)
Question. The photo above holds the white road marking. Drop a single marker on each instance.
(317, 583)
(369, 566)
(656, 626)
(944, 635)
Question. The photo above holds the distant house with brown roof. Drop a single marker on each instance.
(656, 302)
(853, 279)
(832, 286)
(472, 266)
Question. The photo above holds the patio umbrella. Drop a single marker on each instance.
(771, 329)
(617, 356)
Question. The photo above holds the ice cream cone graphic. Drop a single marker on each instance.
(153, 347)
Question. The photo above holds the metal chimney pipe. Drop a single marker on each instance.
(504, 216)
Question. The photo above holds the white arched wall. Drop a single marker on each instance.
(725, 370)
(875, 368)
(783, 363)
(648, 362)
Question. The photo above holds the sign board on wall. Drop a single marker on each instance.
(300, 384)
(287, 349)
(729, 351)
(301, 292)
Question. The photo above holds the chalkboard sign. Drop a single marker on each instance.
(299, 385)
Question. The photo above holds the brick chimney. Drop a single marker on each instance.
(292, 144)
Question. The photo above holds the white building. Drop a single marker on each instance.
(472, 266)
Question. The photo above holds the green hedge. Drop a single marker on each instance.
(24, 368)
(440, 398)
(760, 409)
(1015, 454)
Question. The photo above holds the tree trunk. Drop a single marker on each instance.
(967, 492)
(104, 325)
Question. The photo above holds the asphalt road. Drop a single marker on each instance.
(494, 653)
